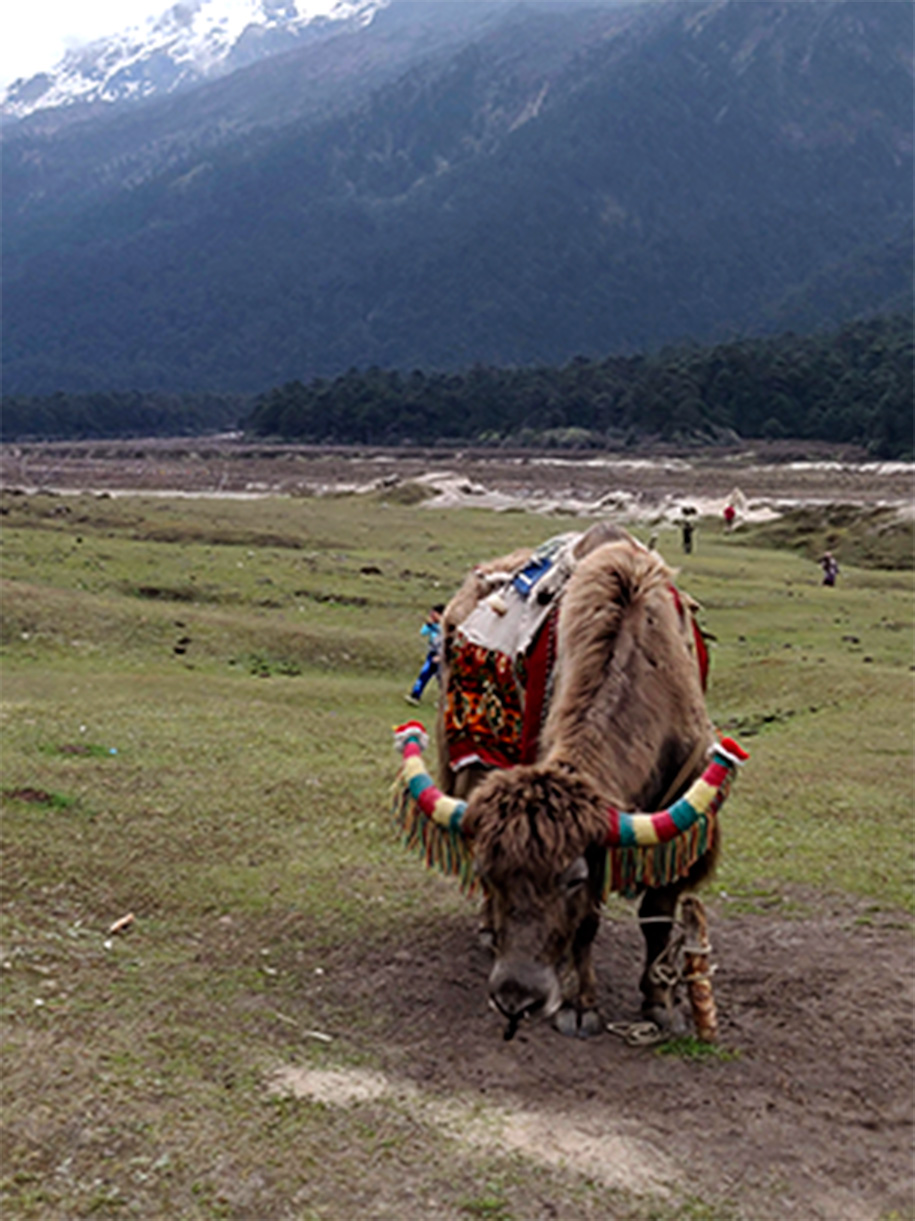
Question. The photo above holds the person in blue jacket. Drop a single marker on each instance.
(431, 632)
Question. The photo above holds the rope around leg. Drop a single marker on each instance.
(667, 970)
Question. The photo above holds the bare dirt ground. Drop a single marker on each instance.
(813, 1115)
(812, 1118)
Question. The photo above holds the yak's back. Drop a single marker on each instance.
(627, 709)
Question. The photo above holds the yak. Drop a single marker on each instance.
(532, 803)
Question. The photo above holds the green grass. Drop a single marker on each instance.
(873, 538)
(204, 694)
(688, 1047)
(817, 683)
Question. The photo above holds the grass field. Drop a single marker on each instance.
(197, 700)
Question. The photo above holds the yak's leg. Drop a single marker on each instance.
(578, 1017)
(659, 993)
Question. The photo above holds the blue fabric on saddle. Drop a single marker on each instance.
(509, 618)
(531, 573)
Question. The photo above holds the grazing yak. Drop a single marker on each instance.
(572, 691)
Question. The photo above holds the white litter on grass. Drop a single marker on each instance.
(591, 1142)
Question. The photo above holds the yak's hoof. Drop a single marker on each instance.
(669, 1018)
(575, 1024)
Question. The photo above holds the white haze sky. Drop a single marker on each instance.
(35, 34)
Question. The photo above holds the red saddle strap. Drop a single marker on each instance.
(701, 649)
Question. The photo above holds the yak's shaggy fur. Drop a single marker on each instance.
(534, 817)
(628, 710)
(627, 715)
(626, 726)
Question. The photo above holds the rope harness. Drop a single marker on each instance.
(669, 970)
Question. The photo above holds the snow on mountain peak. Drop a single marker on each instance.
(191, 40)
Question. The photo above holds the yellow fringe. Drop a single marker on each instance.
(440, 847)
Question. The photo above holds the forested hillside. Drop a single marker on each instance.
(557, 180)
(854, 385)
(132, 413)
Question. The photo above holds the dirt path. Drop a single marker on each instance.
(811, 1119)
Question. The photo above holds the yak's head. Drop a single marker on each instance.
(539, 845)
(537, 838)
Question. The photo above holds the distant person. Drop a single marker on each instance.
(431, 631)
(730, 516)
(830, 566)
(687, 529)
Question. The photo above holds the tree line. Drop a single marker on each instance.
(851, 385)
(133, 413)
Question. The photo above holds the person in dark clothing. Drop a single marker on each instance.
(830, 566)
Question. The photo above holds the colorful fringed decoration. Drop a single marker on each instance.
(430, 821)
(642, 849)
(657, 849)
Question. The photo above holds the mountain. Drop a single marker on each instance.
(190, 42)
(117, 146)
(454, 183)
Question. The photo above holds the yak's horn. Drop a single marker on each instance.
(411, 739)
(701, 800)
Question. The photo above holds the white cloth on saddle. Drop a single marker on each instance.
(508, 619)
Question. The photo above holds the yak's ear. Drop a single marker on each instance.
(470, 823)
(596, 857)
(477, 806)
(479, 872)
